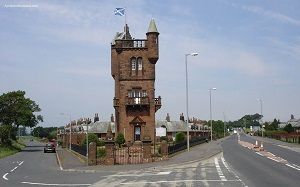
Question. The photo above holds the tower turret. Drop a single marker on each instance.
(152, 37)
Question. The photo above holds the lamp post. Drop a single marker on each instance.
(262, 125)
(210, 112)
(87, 142)
(187, 99)
(224, 125)
(70, 138)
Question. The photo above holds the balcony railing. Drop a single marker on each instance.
(116, 102)
(157, 103)
(137, 101)
(137, 43)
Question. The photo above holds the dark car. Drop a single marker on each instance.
(49, 147)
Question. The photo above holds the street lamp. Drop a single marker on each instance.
(187, 99)
(87, 142)
(70, 128)
(262, 125)
(210, 112)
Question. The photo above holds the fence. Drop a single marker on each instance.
(183, 145)
(177, 147)
(81, 149)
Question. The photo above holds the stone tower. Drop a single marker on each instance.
(133, 69)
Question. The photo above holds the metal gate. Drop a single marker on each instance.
(129, 155)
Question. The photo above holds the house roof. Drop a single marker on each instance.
(172, 126)
(294, 122)
(101, 127)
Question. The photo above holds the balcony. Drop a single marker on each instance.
(136, 43)
(157, 103)
(116, 102)
(132, 101)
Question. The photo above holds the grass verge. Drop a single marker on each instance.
(10, 150)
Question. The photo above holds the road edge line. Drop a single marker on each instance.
(58, 161)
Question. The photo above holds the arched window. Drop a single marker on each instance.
(133, 63)
(140, 64)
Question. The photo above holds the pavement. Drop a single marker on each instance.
(71, 162)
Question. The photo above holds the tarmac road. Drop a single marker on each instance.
(257, 170)
(235, 166)
(33, 167)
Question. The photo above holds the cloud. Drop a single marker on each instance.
(218, 55)
(291, 48)
(271, 14)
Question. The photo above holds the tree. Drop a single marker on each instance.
(93, 138)
(4, 134)
(120, 139)
(179, 137)
(272, 126)
(16, 110)
(288, 128)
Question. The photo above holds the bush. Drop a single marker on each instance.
(179, 137)
(162, 138)
(101, 152)
(120, 139)
(93, 138)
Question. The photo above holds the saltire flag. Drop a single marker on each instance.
(119, 11)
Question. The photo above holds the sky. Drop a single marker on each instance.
(59, 53)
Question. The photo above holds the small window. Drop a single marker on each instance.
(133, 64)
(144, 93)
(130, 93)
(140, 64)
(137, 133)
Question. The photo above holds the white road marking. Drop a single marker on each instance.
(273, 159)
(58, 160)
(220, 173)
(164, 173)
(19, 163)
(14, 169)
(293, 167)
(175, 181)
(259, 153)
(227, 167)
(45, 184)
(140, 175)
(4, 176)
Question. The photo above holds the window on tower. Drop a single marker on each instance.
(136, 65)
(140, 63)
(133, 64)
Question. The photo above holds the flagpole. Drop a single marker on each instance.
(125, 22)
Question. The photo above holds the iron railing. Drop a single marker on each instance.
(79, 149)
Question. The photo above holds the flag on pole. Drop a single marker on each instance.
(119, 11)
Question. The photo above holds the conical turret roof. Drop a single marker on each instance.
(152, 26)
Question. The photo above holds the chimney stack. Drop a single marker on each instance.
(181, 117)
(292, 116)
(96, 118)
(112, 118)
(168, 118)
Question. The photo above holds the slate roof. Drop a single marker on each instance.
(172, 126)
(100, 127)
(294, 122)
